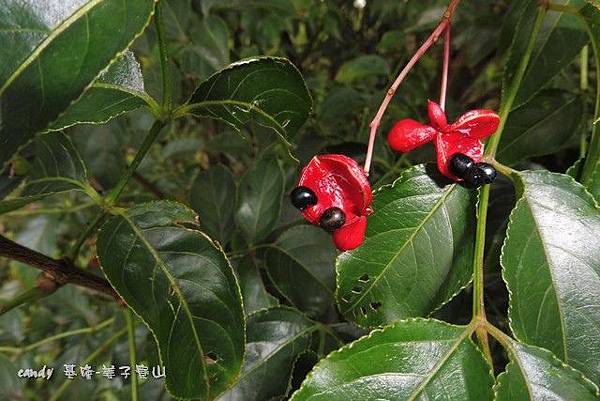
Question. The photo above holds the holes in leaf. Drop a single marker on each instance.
(345, 300)
(210, 358)
(364, 278)
(375, 305)
(356, 289)
(363, 310)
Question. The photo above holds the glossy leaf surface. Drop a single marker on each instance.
(61, 48)
(183, 288)
(534, 374)
(417, 253)
(118, 90)
(410, 360)
(56, 168)
(268, 90)
(276, 338)
(550, 264)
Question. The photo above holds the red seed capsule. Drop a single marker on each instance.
(462, 136)
(337, 181)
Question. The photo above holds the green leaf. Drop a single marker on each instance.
(593, 183)
(417, 253)
(535, 374)
(254, 293)
(213, 197)
(116, 91)
(268, 90)
(303, 254)
(276, 338)
(56, 52)
(550, 265)
(590, 174)
(102, 148)
(410, 360)
(544, 125)
(182, 286)
(559, 41)
(362, 67)
(259, 199)
(57, 168)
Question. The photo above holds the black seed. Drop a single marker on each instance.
(333, 218)
(473, 177)
(488, 171)
(303, 197)
(459, 164)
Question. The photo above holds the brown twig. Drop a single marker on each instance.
(59, 270)
(444, 23)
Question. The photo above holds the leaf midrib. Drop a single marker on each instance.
(417, 229)
(63, 26)
(172, 281)
(551, 273)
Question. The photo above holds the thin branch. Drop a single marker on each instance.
(445, 67)
(139, 156)
(29, 295)
(60, 271)
(132, 354)
(444, 23)
(165, 71)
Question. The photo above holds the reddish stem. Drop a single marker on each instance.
(445, 66)
(444, 23)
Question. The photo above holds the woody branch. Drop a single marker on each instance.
(60, 271)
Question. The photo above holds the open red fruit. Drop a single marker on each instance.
(463, 136)
(339, 198)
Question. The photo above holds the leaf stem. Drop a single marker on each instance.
(49, 211)
(139, 156)
(29, 295)
(165, 71)
(444, 23)
(85, 330)
(484, 192)
(132, 354)
(478, 282)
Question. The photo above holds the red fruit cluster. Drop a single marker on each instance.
(463, 136)
(334, 193)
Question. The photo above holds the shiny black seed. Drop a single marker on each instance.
(474, 177)
(303, 197)
(480, 174)
(488, 172)
(460, 164)
(333, 218)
